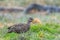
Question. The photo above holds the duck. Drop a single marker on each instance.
(21, 27)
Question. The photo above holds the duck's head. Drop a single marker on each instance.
(34, 20)
(30, 19)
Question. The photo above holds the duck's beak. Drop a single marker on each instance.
(36, 20)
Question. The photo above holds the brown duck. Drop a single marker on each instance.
(20, 28)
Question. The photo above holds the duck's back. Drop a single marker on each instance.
(19, 28)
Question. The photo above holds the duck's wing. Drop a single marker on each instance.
(19, 28)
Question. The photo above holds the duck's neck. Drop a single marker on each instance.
(28, 23)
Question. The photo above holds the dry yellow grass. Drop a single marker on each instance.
(9, 24)
(36, 20)
(1, 25)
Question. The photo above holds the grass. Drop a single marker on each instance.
(49, 30)
(36, 32)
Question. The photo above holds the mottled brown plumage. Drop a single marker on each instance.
(20, 28)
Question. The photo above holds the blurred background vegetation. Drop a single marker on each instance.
(11, 3)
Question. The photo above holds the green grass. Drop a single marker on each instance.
(36, 32)
(49, 30)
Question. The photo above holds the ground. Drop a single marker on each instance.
(49, 30)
